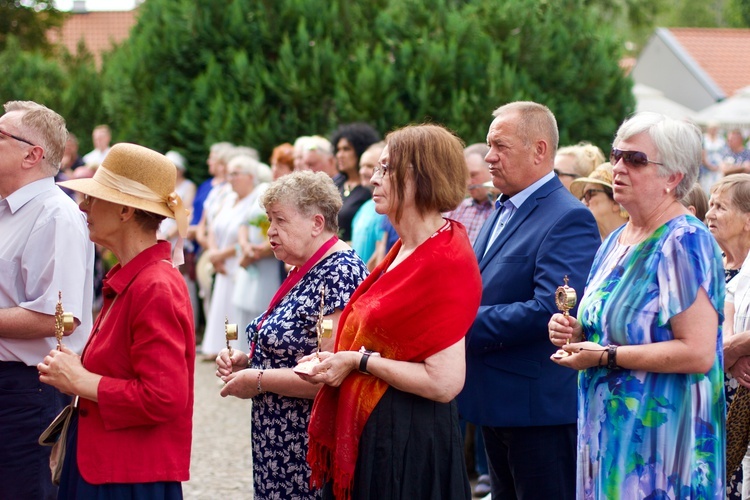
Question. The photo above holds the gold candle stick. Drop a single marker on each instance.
(320, 327)
(230, 331)
(64, 321)
(565, 299)
(323, 330)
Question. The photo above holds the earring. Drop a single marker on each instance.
(667, 190)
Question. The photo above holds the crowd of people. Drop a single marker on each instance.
(397, 298)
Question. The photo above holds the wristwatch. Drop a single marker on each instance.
(363, 360)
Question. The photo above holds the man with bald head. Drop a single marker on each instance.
(538, 235)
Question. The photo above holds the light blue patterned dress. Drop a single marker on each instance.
(643, 434)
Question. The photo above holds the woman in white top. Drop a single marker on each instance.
(224, 251)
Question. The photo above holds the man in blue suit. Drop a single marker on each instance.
(540, 233)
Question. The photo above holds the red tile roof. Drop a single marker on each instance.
(99, 31)
(724, 54)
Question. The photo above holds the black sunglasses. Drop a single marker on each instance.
(591, 192)
(632, 158)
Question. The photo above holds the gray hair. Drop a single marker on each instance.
(479, 148)
(319, 144)
(309, 193)
(247, 165)
(43, 127)
(678, 143)
(248, 151)
(737, 186)
(535, 122)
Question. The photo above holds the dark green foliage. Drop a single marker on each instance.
(28, 22)
(738, 13)
(72, 87)
(264, 72)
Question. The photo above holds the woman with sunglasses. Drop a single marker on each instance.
(595, 191)
(648, 336)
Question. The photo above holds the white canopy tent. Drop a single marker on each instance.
(732, 112)
(650, 99)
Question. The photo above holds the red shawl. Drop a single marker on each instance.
(422, 306)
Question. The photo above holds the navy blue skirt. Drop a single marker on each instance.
(73, 486)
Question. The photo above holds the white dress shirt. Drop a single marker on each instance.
(95, 157)
(44, 248)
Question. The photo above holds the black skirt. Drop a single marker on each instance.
(411, 448)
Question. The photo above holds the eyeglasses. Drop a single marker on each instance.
(632, 158)
(591, 192)
(20, 139)
(565, 174)
(381, 169)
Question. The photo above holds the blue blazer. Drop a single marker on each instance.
(510, 380)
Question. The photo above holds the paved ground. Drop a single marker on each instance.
(221, 465)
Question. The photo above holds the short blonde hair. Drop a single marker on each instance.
(309, 193)
(43, 127)
(587, 157)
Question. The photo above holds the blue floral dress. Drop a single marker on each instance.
(279, 429)
(644, 434)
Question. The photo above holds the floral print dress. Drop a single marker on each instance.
(643, 434)
(279, 428)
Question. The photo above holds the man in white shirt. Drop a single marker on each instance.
(44, 250)
(101, 136)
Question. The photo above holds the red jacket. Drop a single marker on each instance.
(140, 430)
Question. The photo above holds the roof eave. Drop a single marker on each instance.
(692, 66)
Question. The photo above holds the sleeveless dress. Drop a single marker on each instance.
(643, 434)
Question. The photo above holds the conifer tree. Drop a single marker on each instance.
(264, 72)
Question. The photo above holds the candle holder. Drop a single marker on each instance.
(64, 322)
(323, 330)
(565, 299)
(230, 332)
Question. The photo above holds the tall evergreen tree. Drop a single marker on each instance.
(28, 21)
(71, 85)
(264, 72)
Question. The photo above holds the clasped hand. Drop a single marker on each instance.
(60, 369)
(332, 369)
(240, 381)
(563, 329)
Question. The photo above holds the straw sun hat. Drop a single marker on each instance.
(602, 175)
(137, 177)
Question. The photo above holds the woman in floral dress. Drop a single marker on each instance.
(648, 338)
(302, 209)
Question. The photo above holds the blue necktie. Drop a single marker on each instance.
(506, 206)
